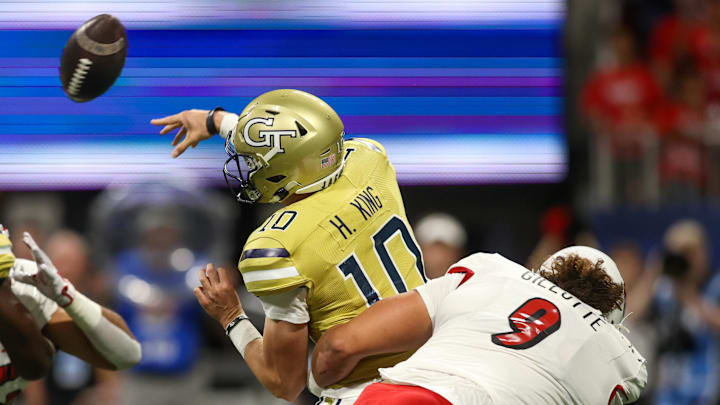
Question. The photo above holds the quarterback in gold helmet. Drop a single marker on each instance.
(340, 243)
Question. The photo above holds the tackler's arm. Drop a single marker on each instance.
(394, 324)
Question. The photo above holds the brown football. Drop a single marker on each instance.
(93, 58)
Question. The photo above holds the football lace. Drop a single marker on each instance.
(81, 71)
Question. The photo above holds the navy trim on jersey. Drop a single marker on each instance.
(264, 252)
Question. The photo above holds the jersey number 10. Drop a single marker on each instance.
(351, 267)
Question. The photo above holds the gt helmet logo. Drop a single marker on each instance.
(271, 139)
(277, 149)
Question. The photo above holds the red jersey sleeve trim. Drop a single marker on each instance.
(464, 270)
(620, 389)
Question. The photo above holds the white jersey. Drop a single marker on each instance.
(41, 308)
(504, 335)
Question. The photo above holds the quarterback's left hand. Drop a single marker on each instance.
(217, 295)
(47, 279)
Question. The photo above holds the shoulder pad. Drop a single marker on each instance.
(482, 262)
(368, 143)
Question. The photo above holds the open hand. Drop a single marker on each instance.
(192, 128)
(217, 295)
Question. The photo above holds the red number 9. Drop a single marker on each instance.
(532, 322)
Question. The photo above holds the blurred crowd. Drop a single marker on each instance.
(673, 294)
(652, 103)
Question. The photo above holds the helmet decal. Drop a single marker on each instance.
(271, 139)
(286, 142)
(327, 161)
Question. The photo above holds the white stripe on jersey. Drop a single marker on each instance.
(274, 274)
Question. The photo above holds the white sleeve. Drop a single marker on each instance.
(290, 306)
(228, 124)
(40, 307)
(635, 385)
(633, 369)
(435, 291)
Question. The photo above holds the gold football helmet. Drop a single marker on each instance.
(286, 142)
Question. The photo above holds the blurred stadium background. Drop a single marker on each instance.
(535, 124)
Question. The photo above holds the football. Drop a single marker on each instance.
(93, 58)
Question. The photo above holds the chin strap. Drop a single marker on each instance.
(622, 327)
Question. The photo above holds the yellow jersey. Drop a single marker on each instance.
(349, 244)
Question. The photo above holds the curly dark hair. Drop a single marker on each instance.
(585, 280)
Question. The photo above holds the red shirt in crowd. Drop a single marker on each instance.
(674, 38)
(623, 101)
(707, 57)
(682, 130)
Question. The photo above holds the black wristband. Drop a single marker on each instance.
(210, 120)
(234, 323)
